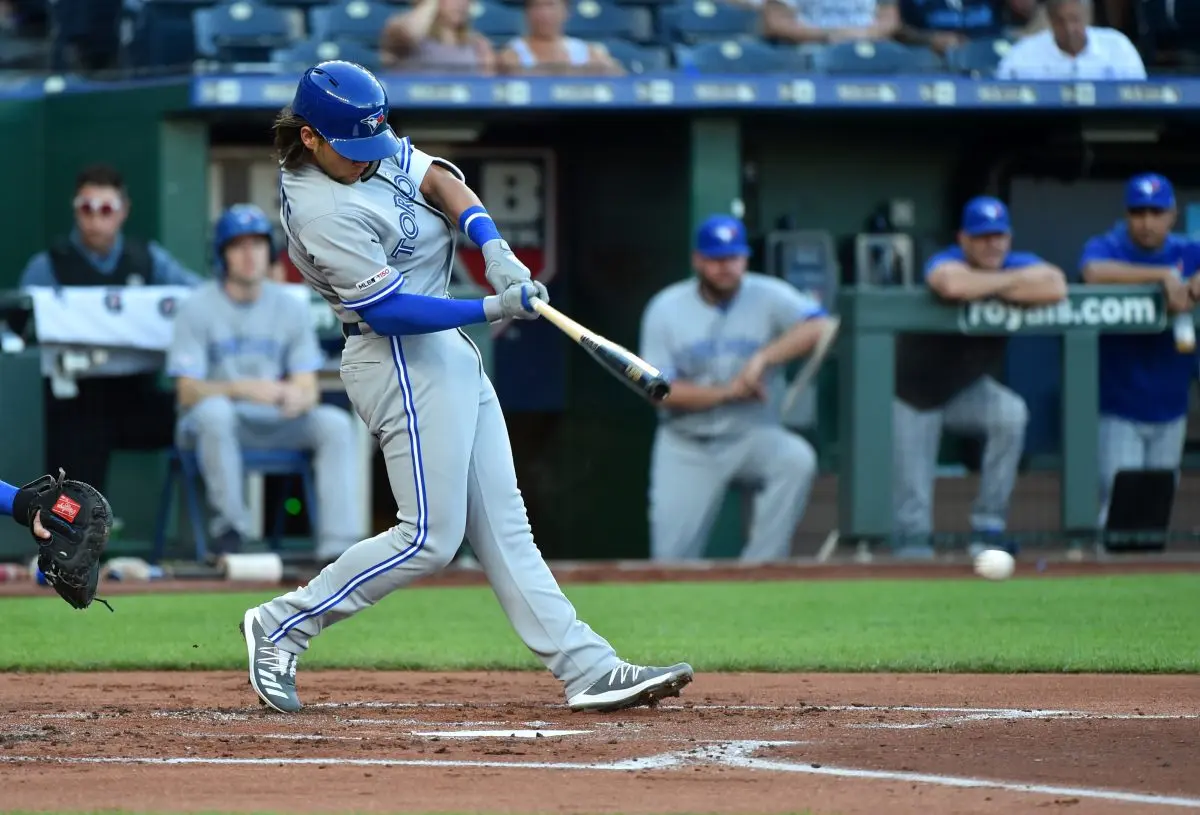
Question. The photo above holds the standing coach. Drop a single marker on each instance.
(954, 380)
(1144, 378)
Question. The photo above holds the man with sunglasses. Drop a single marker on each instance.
(1145, 379)
(118, 405)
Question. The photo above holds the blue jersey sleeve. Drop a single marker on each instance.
(1191, 258)
(953, 254)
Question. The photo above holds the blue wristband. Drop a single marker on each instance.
(477, 225)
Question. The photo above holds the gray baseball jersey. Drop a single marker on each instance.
(688, 338)
(219, 340)
(428, 401)
(698, 454)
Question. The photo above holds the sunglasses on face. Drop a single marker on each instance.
(98, 206)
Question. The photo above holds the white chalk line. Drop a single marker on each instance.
(736, 754)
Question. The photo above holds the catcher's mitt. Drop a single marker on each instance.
(79, 520)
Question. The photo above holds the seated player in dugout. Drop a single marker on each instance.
(953, 381)
(1145, 379)
(114, 409)
(720, 338)
(245, 357)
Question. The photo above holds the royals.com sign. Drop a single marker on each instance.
(1117, 313)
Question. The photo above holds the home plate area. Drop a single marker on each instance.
(505, 742)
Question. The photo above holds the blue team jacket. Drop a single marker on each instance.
(1143, 377)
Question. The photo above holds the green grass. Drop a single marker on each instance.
(1108, 624)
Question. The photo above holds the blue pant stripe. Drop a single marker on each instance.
(422, 521)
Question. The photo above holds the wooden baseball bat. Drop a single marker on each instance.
(622, 363)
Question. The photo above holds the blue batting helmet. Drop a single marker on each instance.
(238, 220)
(347, 106)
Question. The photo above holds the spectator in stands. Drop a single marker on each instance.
(546, 50)
(245, 356)
(1145, 379)
(435, 36)
(1072, 49)
(944, 25)
(116, 410)
(829, 21)
(954, 381)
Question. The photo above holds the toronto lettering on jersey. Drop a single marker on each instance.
(408, 216)
(1137, 313)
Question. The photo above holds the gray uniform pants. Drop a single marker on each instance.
(429, 403)
(1127, 445)
(218, 428)
(986, 409)
(689, 477)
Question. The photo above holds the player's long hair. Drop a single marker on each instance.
(289, 146)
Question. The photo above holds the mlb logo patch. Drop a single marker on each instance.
(66, 509)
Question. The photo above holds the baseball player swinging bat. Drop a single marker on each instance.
(626, 366)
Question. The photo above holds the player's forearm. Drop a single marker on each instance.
(795, 342)
(306, 384)
(957, 281)
(691, 397)
(1115, 271)
(193, 391)
(7, 493)
(448, 193)
(1041, 283)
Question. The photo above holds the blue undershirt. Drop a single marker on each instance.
(400, 314)
(7, 493)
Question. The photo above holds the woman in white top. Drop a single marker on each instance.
(545, 50)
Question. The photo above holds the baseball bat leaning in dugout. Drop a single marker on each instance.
(626, 366)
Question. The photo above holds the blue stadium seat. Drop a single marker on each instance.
(885, 57)
(695, 21)
(599, 20)
(493, 20)
(358, 20)
(978, 58)
(163, 33)
(639, 59)
(732, 57)
(242, 31)
(309, 52)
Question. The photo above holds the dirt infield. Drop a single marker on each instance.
(504, 742)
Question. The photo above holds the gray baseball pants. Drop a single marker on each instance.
(986, 409)
(218, 428)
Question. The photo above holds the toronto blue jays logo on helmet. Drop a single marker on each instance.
(375, 120)
(1149, 186)
(990, 211)
(725, 234)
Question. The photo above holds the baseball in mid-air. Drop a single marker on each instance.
(994, 564)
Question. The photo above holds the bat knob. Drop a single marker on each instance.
(658, 389)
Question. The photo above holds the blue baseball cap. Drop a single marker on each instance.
(1149, 191)
(985, 216)
(722, 236)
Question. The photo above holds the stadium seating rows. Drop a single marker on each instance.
(645, 35)
(695, 35)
